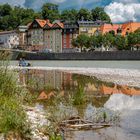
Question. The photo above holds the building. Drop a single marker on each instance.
(129, 27)
(89, 27)
(121, 29)
(70, 31)
(35, 38)
(22, 31)
(9, 39)
(53, 36)
(106, 28)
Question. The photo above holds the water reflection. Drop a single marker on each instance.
(95, 95)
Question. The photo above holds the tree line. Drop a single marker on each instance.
(12, 17)
(107, 41)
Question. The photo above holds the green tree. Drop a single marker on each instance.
(100, 40)
(82, 41)
(50, 11)
(121, 42)
(84, 14)
(134, 39)
(5, 10)
(75, 43)
(94, 41)
(99, 14)
(4, 23)
(69, 15)
(108, 40)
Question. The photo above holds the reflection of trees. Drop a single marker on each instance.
(98, 100)
(84, 80)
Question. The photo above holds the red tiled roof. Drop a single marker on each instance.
(109, 27)
(49, 24)
(41, 22)
(42, 96)
(61, 25)
(130, 27)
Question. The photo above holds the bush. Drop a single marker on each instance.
(12, 115)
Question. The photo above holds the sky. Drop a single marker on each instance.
(118, 10)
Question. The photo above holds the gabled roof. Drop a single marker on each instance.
(58, 24)
(48, 25)
(41, 22)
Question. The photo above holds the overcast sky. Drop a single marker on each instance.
(119, 10)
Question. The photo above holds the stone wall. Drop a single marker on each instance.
(108, 55)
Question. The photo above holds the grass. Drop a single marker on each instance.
(13, 120)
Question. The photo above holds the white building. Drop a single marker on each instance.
(9, 39)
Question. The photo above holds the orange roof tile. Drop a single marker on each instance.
(130, 91)
(42, 96)
(109, 27)
(130, 27)
(59, 24)
(109, 90)
(41, 22)
(49, 24)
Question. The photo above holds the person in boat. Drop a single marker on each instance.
(23, 63)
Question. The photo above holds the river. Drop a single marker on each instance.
(109, 96)
(85, 64)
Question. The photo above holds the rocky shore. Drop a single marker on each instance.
(36, 116)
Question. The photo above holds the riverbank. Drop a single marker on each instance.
(96, 55)
(129, 77)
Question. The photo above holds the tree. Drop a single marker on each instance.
(5, 10)
(4, 23)
(69, 15)
(82, 41)
(50, 11)
(108, 40)
(84, 14)
(93, 41)
(121, 42)
(75, 43)
(112, 32)
(134, 39)
(100, 40)
(99, 14)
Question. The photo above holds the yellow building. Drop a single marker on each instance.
(89, 27)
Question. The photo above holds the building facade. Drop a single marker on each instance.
(9, 39)
(53, 37)
(22, 31)
(70, 31)
(106, 28)
(35, 38)
(120, 29)
(89, 27)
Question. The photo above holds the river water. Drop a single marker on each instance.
(97, 95)
(85, 64)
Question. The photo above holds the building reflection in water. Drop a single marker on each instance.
(68, 82)
(101, 95)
